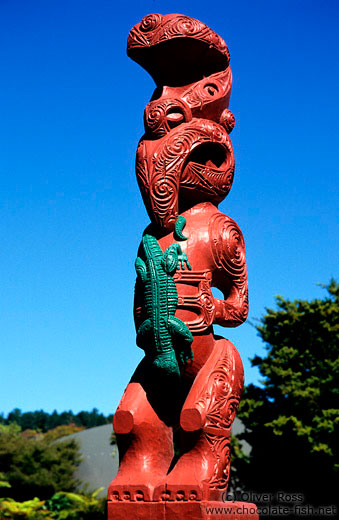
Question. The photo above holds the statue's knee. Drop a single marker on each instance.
(123, 421)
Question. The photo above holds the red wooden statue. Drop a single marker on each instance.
(174, 420)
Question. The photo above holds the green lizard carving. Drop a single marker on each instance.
(165, 339)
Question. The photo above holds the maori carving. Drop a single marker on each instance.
(220, 402)
(161, 117)
(190, 381)
(201, 302)
(230, 260)
(182, 158)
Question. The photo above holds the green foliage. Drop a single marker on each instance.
(30, 509)
(61, 506)
(74, 506)
(113, 439)
(292, 420)
(239, 463)
(3, 481)
(32, 464)
(35, 465)
(43, 421)
(61, 431)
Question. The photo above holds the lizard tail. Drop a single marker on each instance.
(178, 228)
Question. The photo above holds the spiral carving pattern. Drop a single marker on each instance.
(150, 22)
(227, 120)
(164, 196)
(220, 399)
(206, 299)
(228, 246)
(162, 116)
(228, 250)
(159, 178)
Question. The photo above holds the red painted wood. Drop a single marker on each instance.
(185, 166)
(182, 510)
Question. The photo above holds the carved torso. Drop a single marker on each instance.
(216, 253)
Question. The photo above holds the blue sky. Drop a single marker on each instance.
(71, 215)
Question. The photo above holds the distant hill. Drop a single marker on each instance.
(100, 460)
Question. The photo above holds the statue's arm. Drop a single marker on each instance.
(230, 273)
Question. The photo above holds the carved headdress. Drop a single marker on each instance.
(186, 155)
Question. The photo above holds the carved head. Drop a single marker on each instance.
(185, 156)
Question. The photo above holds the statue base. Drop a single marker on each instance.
(204, 510)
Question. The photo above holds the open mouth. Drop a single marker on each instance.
(180, 61)
(208, 166)
(209, 155)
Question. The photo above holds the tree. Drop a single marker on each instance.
(35, 465)
(43, 421)
(292, 420)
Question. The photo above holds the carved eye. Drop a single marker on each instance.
(175, 117)
(211, 88)
(162, 115)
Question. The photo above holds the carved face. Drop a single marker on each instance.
(185, 156)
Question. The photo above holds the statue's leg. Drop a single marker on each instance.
(202, 471)
(145, 447)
